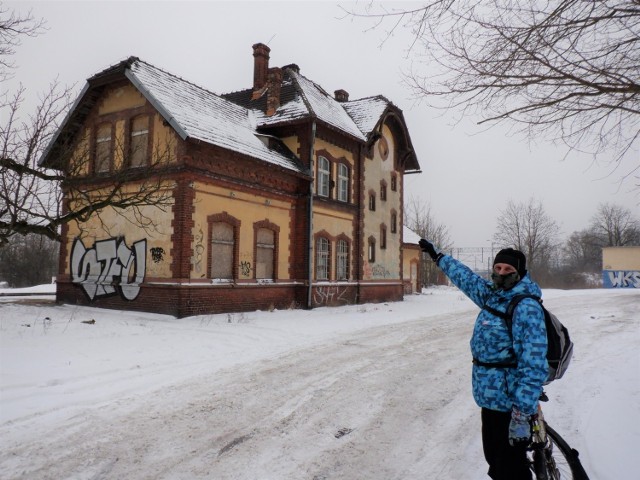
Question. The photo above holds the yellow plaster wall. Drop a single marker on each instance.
(334, 222)
(120, 99)
(112, 224)
(621, 258)
(248, 209)
(292, 144)
(387, 263)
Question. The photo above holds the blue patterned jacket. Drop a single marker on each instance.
(503, 388)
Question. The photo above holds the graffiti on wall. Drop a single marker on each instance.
(245, 268)
(198, 249)
(157, 254)
(331, 295)
(109, 267)
(621, 279)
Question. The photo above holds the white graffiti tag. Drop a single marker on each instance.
(109, 264)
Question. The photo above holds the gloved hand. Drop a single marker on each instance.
(519, 428)
(428, 247)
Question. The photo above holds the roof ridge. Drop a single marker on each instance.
(174, 76)
(301, 91)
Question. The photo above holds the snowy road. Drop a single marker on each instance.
(384, 399)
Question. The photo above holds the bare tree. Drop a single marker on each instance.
(37, 200)
(615, 226)
(13, 27)
(418, 217)
(567, 70)
(29, 260)
(583, 252)
(528, 228)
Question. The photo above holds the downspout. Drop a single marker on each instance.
(310, 217)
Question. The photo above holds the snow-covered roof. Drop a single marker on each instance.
(409, 236)
(367, 112)
(199, 114)
(235, 121)
(311, 100)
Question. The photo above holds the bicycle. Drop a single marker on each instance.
(550, 456)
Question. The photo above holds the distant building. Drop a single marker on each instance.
(621, 267)
(280, 195)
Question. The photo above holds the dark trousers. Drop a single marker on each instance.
(505, 462)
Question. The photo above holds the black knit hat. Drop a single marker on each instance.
(512, 257)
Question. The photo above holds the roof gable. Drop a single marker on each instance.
(192, 111)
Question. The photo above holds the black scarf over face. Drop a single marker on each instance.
(505, 282)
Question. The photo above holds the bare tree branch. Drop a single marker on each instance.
(567, 70)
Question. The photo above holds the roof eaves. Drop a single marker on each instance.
(156, 104)
(63, 125)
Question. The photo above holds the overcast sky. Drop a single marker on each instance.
(469, 174)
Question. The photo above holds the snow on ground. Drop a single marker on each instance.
(371, 392)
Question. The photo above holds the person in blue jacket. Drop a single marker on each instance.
(509, 369)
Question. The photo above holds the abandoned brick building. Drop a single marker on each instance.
(274, 196)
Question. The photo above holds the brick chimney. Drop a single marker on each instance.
(260, 65)
(274, 83)
(341, 95)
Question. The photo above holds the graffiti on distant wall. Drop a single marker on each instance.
(621, 278)
(109, 267)
(331, 295)
(157, 254)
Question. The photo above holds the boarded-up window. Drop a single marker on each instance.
(139, 142)
(342, 260)
(102, 161)
(322, 259)
(222, 246)
(265, 253)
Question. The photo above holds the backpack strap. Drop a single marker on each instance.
(507, 316)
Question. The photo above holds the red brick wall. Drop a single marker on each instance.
(186, 300)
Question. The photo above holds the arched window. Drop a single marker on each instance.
(139, 141)
(103, 147)
(383, 236)
(322, 259)
(265, 253)
(343, 182)
(371, 250)
(324, 176)
(342, 260)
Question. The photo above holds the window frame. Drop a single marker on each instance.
(394, 182)
(343, 183)
(383, 237)
(97, 142)
(371, 250)
(275, 230)
(325, 256)
(342, 259)
(133, 133)
(234, 223)
(383, 191)
(324, 178)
